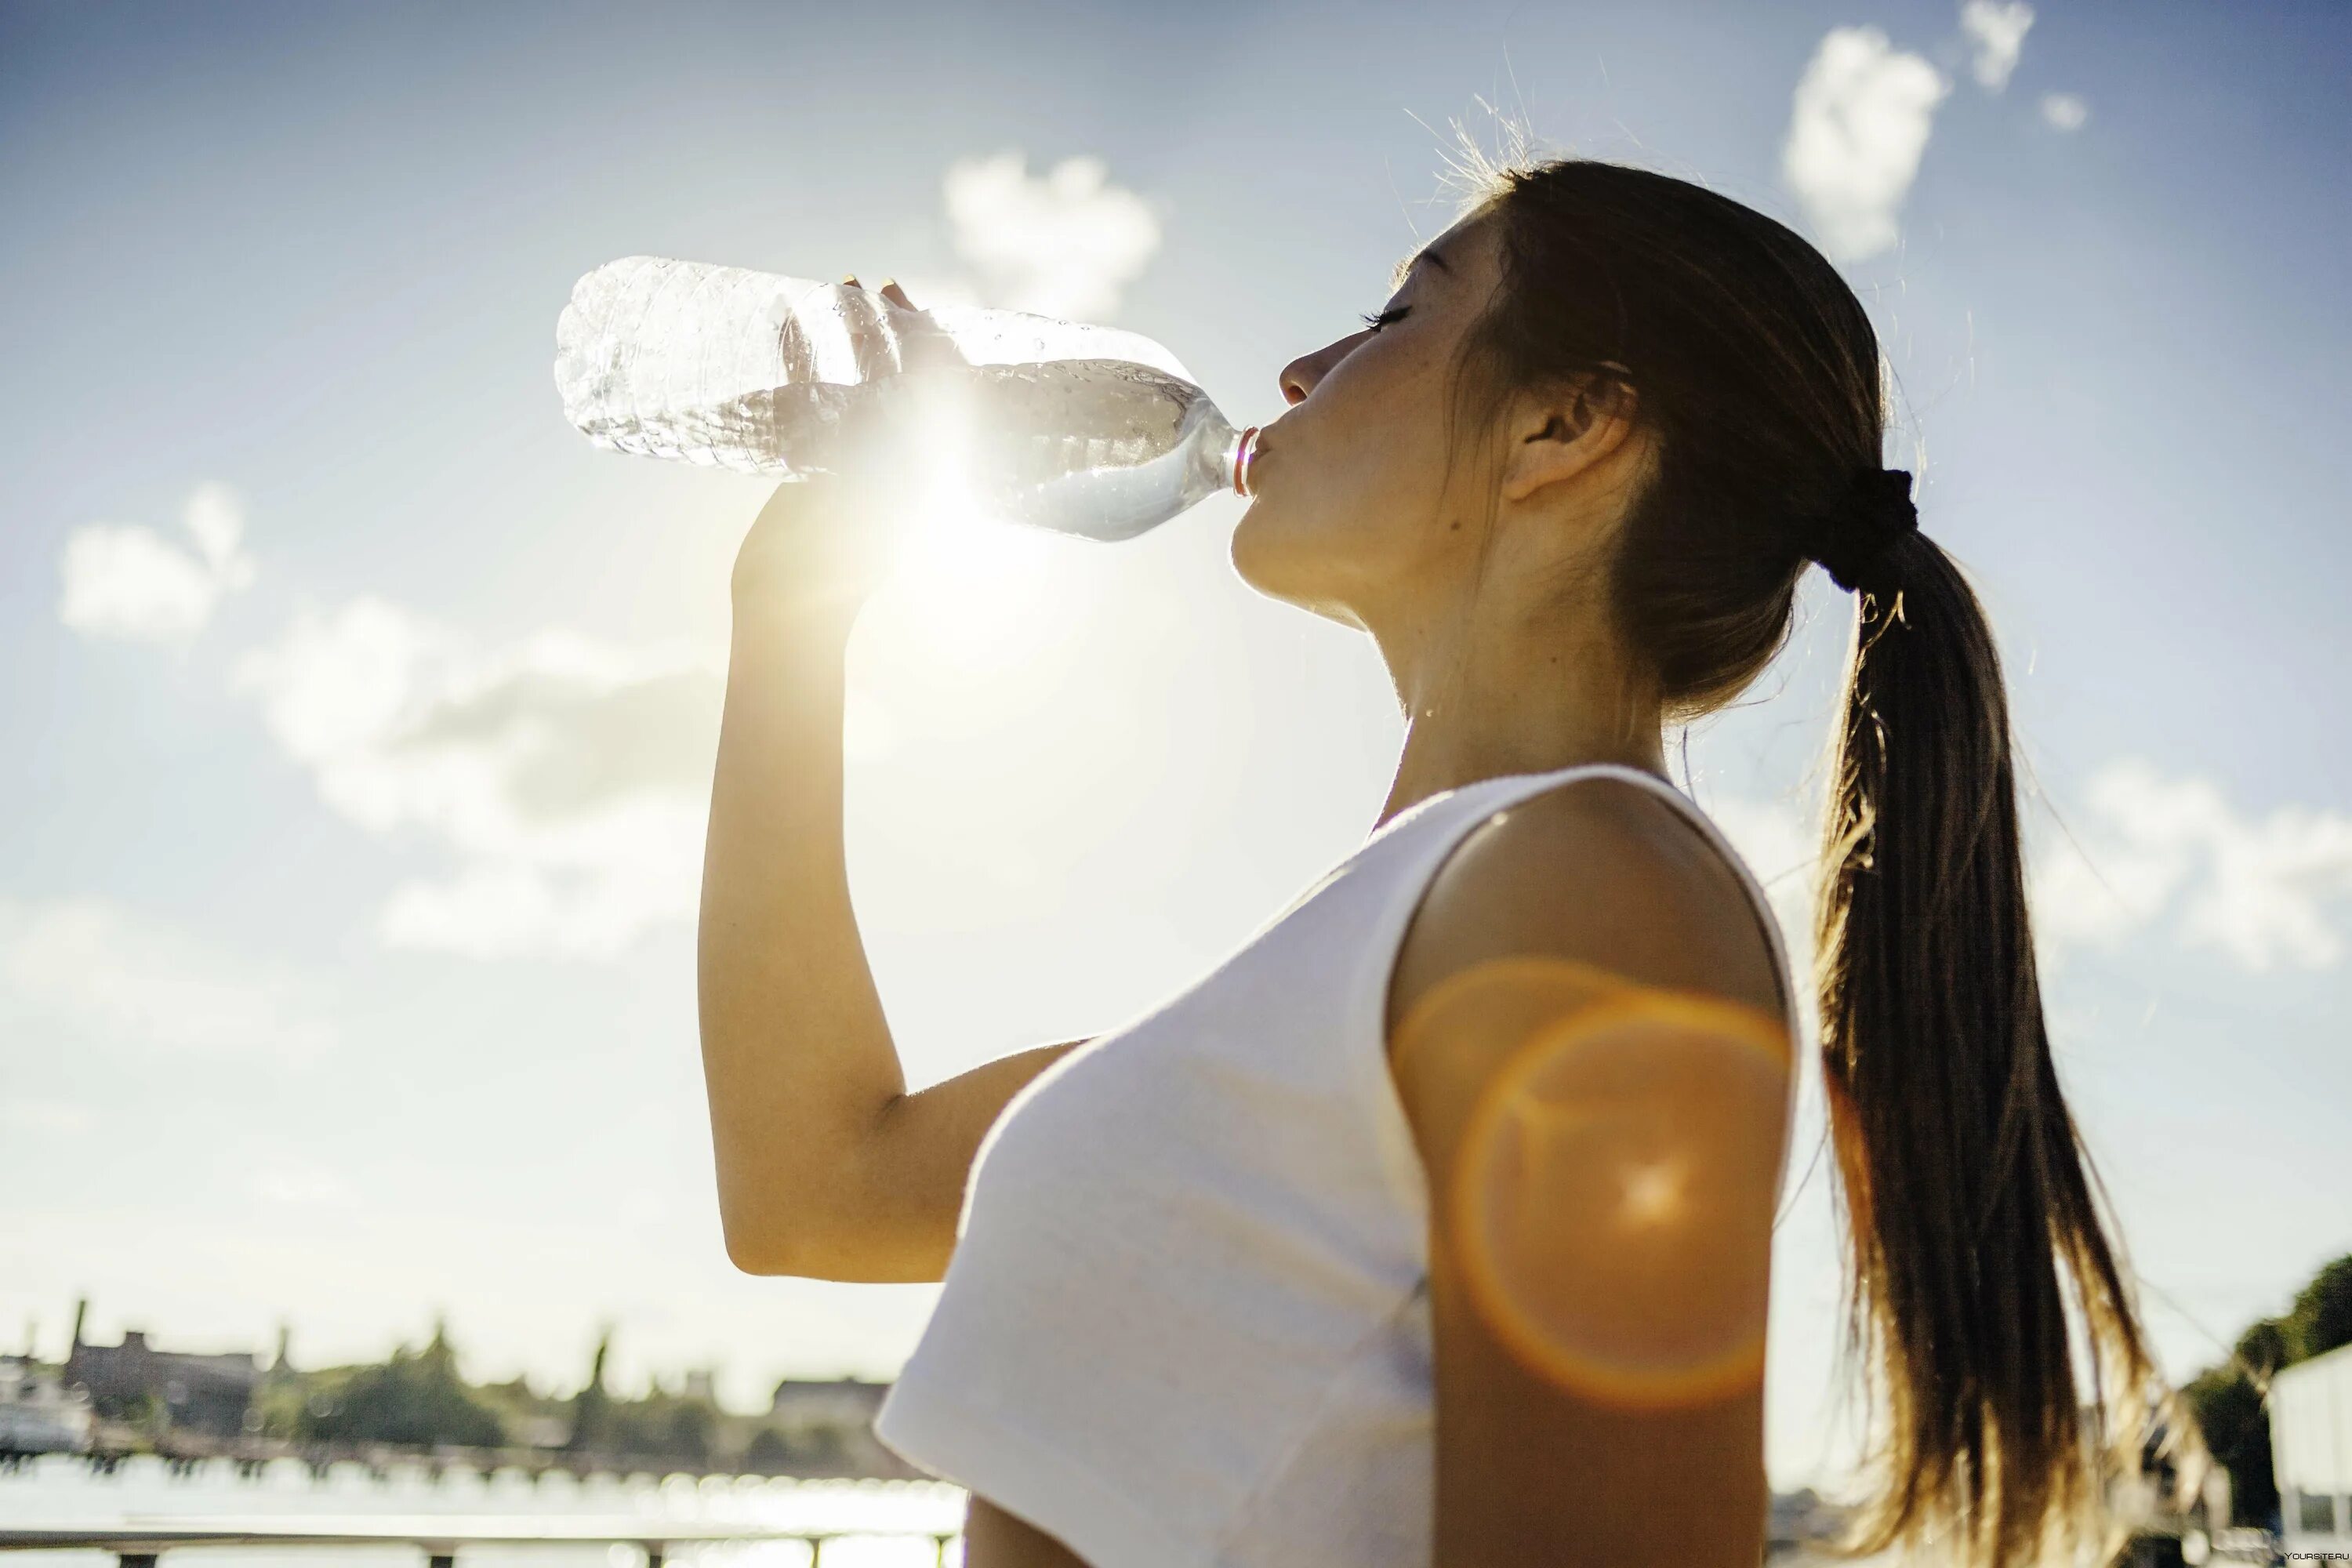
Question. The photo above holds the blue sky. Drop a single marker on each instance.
(363, 713)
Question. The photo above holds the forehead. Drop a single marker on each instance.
(1457, 250)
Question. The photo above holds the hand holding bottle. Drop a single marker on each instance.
(823, 544)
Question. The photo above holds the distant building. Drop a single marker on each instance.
(2311, 1453)
(203, 1393)
(842, 1402)
(1797, 1518)
(829, 1426)
(39, 1414)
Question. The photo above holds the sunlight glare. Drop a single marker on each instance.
(966, 586)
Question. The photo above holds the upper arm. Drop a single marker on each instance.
(888, 1207)
(1591, 893)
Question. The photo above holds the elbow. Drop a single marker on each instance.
(853, 1256)
(768, 1239)
(810, 1218)
(757, 1238)
(755, 1253)
(766, 1249)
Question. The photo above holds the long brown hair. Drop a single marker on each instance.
(1968, 1194)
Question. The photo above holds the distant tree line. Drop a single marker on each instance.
(415, 1398)
(2230, 1400)
(418, 1398)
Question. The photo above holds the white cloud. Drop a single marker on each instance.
(2065, 111)
(1860, 122)
(2167, 855)
(568, 778)
(125, 581)
(2256, 890)
(1996, 32)
(1061, 244)
(1782, 849)
(82, 970)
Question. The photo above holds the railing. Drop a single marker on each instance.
(182, 1449)
(137, 1543)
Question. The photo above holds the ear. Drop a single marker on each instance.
(1563, 431)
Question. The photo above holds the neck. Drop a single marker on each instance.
(1513, 701)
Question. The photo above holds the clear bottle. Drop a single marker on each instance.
(1088, 430)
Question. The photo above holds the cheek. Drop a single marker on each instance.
(1375, 451)
(1352, 506)
(1395, 451)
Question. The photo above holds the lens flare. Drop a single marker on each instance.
(1612, 1196)
(1504, 998)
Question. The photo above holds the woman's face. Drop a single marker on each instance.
(1346, 514)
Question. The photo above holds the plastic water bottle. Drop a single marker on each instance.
(1088, 430)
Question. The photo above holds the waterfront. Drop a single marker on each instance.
(64, 1488)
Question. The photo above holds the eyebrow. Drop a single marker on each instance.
(1428, 254)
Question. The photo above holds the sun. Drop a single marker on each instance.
(965, 586)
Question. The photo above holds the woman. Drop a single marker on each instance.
(1202, 1307)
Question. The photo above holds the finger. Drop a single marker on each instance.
(896, 295)
(869, 331)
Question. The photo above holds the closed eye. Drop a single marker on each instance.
(1395, 313)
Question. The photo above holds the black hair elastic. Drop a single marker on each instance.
(1850, 538)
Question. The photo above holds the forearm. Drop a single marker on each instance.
(797, 1055)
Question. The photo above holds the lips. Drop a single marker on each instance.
(1244, 461)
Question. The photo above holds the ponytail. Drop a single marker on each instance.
(1967, 1191)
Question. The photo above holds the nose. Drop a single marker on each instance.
(1300, 375)
(1298, 378)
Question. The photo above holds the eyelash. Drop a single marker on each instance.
(1386, 317)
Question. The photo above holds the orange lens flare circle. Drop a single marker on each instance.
(1513, 995)
(1611, 1198)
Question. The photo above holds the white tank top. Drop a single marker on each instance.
(1186, 1322)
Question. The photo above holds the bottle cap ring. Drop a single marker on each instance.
(1244, 450)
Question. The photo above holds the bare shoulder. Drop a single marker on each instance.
(1600, 871)
(1540, 912)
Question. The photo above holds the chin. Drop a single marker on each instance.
(1264, 557)
(1281, 565)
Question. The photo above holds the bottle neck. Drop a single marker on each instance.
(1239, 449)
(1218, 455)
